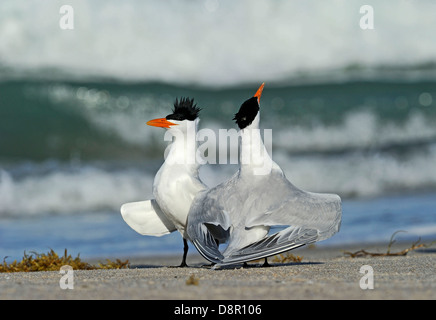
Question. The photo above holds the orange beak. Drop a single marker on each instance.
(259, 92)
(161, 122)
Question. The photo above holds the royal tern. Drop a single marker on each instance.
(175, 184)
(249, 203)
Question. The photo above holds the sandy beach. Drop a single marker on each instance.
(324, 273)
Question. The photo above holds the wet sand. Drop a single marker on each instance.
(324, 273)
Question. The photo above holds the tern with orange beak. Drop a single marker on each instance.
(176, 183)
(252, 201)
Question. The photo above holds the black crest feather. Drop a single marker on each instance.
(247, 112)
(185, 109)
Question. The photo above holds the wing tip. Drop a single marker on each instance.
(123, 209)
(213, 255)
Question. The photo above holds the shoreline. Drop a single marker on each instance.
(324, 273)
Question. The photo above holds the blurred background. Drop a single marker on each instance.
(352, 111)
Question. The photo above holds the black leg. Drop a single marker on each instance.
(185, 253)
(266, 264)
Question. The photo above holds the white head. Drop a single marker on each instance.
(184, 113)
(182, 126)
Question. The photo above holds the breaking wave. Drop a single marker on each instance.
(214, 42)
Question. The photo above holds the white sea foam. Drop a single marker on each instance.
(361, 175)
(359, 130)
(84, 190)
(213, 43)
(423, 230)
(89, 188)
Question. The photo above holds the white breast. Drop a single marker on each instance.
(174, 189)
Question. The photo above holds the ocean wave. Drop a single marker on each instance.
(362, 175)
(357, 140)
(59, 120)
(62, 192)
(360, 130)
(90, 188)
(34, 189)
(120, 114)
(423, 230)
(211, 42)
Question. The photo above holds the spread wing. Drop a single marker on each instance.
(262, 201)
(285, 240)
(207, 223)
(146, 218)
(310, 217)
(286, 205)
(209, 219)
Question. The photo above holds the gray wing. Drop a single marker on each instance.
(285, 205)
(285, 240)
(310, 217)
(269, 200)
(208, 221)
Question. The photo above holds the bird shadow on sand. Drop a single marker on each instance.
(147, 266)
(256, 265)
(231, 267)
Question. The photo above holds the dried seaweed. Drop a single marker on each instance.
(51, 261)
(192, 280)
(281, 258)
(117, 264)
(388, 253)
(286, 258)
